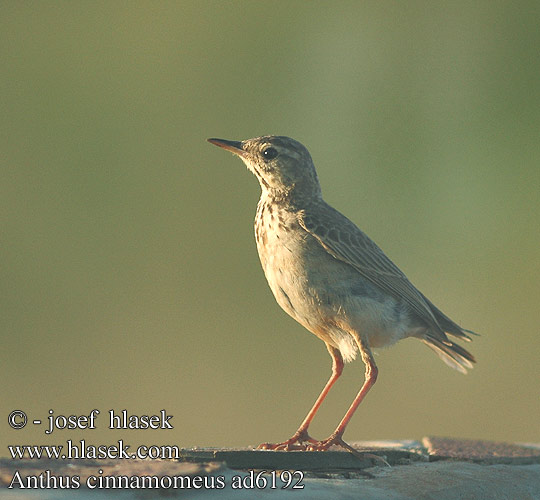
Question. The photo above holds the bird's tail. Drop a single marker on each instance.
(452, 354)
(447, 325)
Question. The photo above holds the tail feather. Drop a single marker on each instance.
(452, 354)
(447, 325)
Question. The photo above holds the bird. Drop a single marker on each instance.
(333, 279)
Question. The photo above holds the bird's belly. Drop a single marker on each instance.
(284, 263)
(329, 297)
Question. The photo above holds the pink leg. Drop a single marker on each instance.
(301, 435)
(336, 438)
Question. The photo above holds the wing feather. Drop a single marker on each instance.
(344, 241)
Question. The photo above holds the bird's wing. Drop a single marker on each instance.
(344, 241)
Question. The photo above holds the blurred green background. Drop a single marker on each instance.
(130, 278)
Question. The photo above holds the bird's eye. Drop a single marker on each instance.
(269, 154)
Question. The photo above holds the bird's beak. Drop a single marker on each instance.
(232, 146)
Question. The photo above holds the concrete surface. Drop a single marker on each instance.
(433, 468)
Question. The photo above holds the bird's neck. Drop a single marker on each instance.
(292, 196)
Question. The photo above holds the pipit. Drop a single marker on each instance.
(332, 278)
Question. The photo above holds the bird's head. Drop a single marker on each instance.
(282, 165)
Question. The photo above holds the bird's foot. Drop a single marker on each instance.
(300, 442)
(333, 440)
(337, 440)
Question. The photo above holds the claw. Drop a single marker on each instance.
(337, 440)
(297, 442)
(331, 441)
(302, 441)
